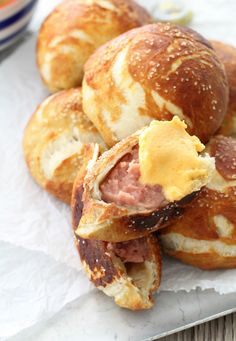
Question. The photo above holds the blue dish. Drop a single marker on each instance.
(15, 16)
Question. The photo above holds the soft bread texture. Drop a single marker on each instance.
(115, 223)
(130, 285)
(155, 72)
(205, 236)
(72, 32)
(227, 55)
(58, 142)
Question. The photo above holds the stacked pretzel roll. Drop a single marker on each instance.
(126, 149)
(155, 72)
(205, 236)
(72, 32)
(58, 142)
(227, 55)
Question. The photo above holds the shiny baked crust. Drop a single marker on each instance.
(58, 142)
(130, 286)
(227, 55)
(110, 222)
(205, 236)
(155, 72)
(72, 32)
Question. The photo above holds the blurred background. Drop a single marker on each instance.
(212, 18)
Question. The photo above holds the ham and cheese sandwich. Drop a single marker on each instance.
(143, 183)
(130, 271)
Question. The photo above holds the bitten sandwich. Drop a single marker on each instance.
(130, 272)
(143, 183)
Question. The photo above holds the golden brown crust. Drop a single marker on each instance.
(107, 271)
(227, 55)
(57, 143)
(110, 222)
(72, 32)
(197, 222)
(224, 150)
(167, 70)
(205, 236)
(205, 261)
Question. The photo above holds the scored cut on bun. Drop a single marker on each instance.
(227, 55)
(72, 32)
(205, 236)
(129, 272)
(58, 142)
(155, 72)
(118, 206)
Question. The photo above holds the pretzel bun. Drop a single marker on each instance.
(72, 32)
(155, 72)
(227, 55)
(58, 142)
(205, 236)
(117, 207)
(131, 284)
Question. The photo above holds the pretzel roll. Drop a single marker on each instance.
(58, 142)
(72, 32)
(119, 205)
(227, 55)
(129, 272)
(205, 236)
(155, 72)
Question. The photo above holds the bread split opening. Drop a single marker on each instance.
(136, 259)
(165, 166)
(139, 265)
(122, 186)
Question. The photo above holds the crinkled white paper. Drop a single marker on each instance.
(33, 287)
(177, 276)
(39, 267)
(29, 216)
(40, 270)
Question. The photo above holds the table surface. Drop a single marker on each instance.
(223, 328)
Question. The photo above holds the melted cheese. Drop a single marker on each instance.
(168, 157)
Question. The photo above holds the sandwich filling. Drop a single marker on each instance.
(169, 157)
(163, 167)
(132, 251)
(122, 185)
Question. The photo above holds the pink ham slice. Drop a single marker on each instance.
(133, 251)
(122, 186)
(224, 150)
